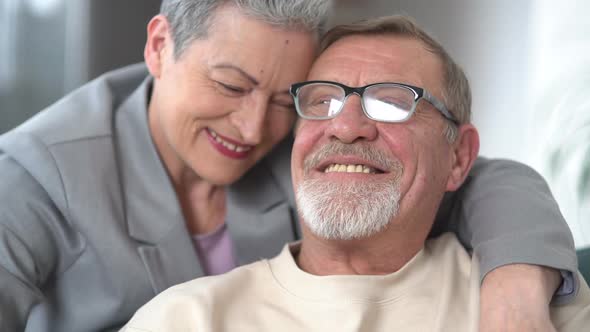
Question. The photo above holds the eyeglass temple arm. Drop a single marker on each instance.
(439, 106)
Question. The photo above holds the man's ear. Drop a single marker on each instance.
(465, 150)
(158, 45)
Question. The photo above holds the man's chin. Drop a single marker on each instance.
(346, 211)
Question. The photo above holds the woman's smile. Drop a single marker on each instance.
(227, 146)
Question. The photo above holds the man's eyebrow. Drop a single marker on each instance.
(224, 65)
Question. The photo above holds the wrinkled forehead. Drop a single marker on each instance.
(364, 59)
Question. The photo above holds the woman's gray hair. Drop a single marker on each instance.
(456, 91)
(191, 19)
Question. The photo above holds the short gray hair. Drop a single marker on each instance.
(456, 90)
(191, 19)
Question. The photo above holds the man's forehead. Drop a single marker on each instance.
(386, 51)
(383, 57)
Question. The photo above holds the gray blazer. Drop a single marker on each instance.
(90, 227)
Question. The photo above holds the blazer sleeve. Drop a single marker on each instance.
(30, 228)
(506, 214)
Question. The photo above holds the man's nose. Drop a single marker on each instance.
(351, 124)
(250, 120)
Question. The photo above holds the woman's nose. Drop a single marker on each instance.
(250, 120)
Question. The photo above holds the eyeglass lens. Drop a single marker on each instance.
(382, 102)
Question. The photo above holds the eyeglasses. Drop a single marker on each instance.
(386, 102)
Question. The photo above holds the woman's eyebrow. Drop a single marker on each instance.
(225, 65)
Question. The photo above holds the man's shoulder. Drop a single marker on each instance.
(240, 279)
(194, 303)
(447, 251)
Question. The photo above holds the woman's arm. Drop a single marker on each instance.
(506, 215)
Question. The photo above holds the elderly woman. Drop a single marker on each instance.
(144, 179)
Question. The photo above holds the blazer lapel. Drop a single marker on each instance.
(168, 262)
(153, 214)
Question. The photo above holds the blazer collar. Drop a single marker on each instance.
(151, 203)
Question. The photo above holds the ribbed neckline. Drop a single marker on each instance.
(353, 288)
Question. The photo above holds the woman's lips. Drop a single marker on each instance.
(228, 147)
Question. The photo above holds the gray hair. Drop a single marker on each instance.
(191, 19)
(456, 91)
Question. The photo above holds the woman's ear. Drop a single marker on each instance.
(465, 150)
(158, 45)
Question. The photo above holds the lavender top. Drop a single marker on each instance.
(216, 251)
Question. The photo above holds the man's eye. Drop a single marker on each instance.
(321, 101)
(396, 102)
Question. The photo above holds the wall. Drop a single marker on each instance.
(50, 47)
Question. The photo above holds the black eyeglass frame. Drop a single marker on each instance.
(419, 93)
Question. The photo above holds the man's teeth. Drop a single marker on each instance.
(228, 145)
(347, 168)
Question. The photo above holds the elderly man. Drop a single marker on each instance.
(385, 114)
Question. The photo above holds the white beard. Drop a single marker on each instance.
(346, 211)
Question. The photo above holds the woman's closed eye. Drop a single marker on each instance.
(231, 89)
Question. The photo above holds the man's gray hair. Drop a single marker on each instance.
(191, 19)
